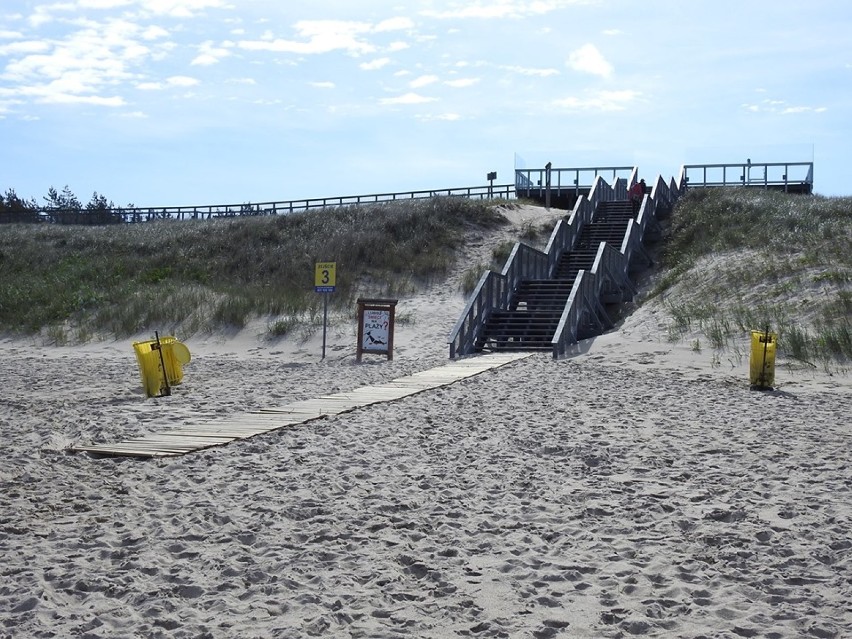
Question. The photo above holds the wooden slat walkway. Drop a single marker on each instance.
(192, 437)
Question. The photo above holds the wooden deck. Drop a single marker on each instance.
(192, 437)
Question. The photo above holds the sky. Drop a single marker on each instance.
(198, 102)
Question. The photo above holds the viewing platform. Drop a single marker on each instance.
(789, 177)
(561, 187)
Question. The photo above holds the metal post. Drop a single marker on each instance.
(547, 168)
(765, 346)
(324, 321)
(168, 389)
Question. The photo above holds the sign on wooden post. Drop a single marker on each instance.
(375, 327)
(325, 281)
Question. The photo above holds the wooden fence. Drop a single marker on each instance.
(149, 214)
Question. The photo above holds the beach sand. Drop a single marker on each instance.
(638, 488)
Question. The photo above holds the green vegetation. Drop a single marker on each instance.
(737, 260)
(734, 260)
(72, 283)
(61, 207)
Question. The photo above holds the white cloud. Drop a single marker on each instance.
(375, 64)
(172, 82)
(78, 68)
(204, 60)
(103, 4)
(154, 33)
(244, 81)
(96, 100)
(408, 98)
(443, 117)
(393, 47)
(394, 24)
(97, 45)
(180, 8)
(612, 32)
(501, 9)
(25, 47)
(322, 85)
(587, 59)
(780, 107)
(495, 10)
(10, 35)
(600, 101)
(539, 73)
(318, 36)
(209, 54)
(423, 81)
(182, 81)
(43, 14)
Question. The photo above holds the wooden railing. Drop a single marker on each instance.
(609, 277)
(147, 214)
(584, 304)
(494, 290)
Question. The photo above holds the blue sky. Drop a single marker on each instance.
(191, 102)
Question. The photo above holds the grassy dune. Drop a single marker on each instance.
(739, 259)
(732, 260)
(75, 283)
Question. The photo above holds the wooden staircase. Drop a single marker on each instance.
(536, 306)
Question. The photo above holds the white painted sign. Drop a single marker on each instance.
(375, 330)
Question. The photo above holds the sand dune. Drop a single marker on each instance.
(637, 489)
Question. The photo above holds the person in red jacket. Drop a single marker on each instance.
(637, 192)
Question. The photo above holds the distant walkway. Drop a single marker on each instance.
(192, 437)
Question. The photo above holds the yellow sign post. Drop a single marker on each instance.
(325, 280)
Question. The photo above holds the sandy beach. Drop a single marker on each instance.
(638, 488)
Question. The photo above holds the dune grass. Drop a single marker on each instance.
(73, 283)
(736, 260)
(733, 260)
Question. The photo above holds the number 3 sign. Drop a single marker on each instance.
(325, 277)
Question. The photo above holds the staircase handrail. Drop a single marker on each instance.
(572, 315)
(490, 289)
(524, 263)
(611, 264)
(494, 290)
(609, 267)
(566, 232)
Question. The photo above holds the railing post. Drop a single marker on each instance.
(547, 168)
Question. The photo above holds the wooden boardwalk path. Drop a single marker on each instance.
(192, 437)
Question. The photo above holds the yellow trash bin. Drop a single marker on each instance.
(763, 345)
(174, 355)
